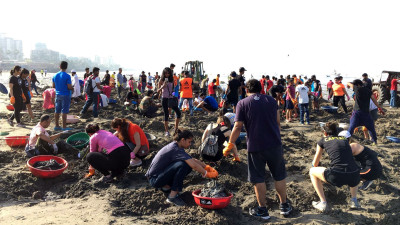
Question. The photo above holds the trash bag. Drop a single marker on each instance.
(48, 165)
(213, 190)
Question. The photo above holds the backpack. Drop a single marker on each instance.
(88, 86)
(210, 145)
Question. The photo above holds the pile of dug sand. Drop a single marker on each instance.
(69, 198)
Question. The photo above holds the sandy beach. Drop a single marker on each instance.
(71, 199)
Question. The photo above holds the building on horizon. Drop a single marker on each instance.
(10, 49)
(42, 54)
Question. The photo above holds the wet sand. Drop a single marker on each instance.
(69, 198)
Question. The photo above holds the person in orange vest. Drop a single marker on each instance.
(217, 83)
(186, 91)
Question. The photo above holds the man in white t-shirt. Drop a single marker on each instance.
(40, 142)
(302, 93)
(93, 98)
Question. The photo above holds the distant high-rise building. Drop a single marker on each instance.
(10, 49)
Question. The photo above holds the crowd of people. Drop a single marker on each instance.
(254, 106)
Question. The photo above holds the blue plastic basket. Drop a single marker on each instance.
(330, 109)
(394, 139)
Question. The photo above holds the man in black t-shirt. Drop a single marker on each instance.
(242, 81)
(276, 92)
(360, 115)
(233, 90)
(367, 82)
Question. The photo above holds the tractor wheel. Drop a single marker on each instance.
(380, 93)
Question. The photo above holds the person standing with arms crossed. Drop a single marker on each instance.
(259, 114)
(62, 83)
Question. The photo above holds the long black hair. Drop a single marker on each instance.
(167, 70)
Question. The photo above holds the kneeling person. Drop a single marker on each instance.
(209, 104)
(107, 153)
(41, 143)
(172, 164)
(147, 106)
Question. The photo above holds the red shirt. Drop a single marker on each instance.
(329, 85)
(211, 89)
(393, 85)
(269, 84)
(262, 86)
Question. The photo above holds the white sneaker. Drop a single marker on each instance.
(166, 134)
(321, 206)
(135, 163)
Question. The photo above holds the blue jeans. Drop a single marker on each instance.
(360, 118)
(172, 176)
(304, 109)
(62, 103)
(143, 87)
(92, 99)
(34, 87)
(190, 100)
(393, 98)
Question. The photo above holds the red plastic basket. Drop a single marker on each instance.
(211, 203)
(10, 107)
(46, 173)
(16, 141)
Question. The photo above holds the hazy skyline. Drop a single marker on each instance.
(266, 37)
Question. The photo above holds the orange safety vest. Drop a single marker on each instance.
(186, 88)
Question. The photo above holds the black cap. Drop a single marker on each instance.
(242, 69)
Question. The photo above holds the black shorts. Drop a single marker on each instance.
(339, 178)
(273, 157)
(232, 100)
(371, 173)
(208, 107)
(289, 104)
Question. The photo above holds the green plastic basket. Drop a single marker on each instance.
(79, 136)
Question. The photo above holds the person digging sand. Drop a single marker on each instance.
(41, 143)
(342, 170)
(172, 164)
(107, 154)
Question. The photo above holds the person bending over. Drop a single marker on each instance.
(132, 135)
(209, 104)
(341, 171)
(107, 154)
(222, 129)
(371, 168)
(172, 164)
(147, 106)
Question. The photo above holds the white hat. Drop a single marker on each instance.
(345, 134)
(73, 71)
